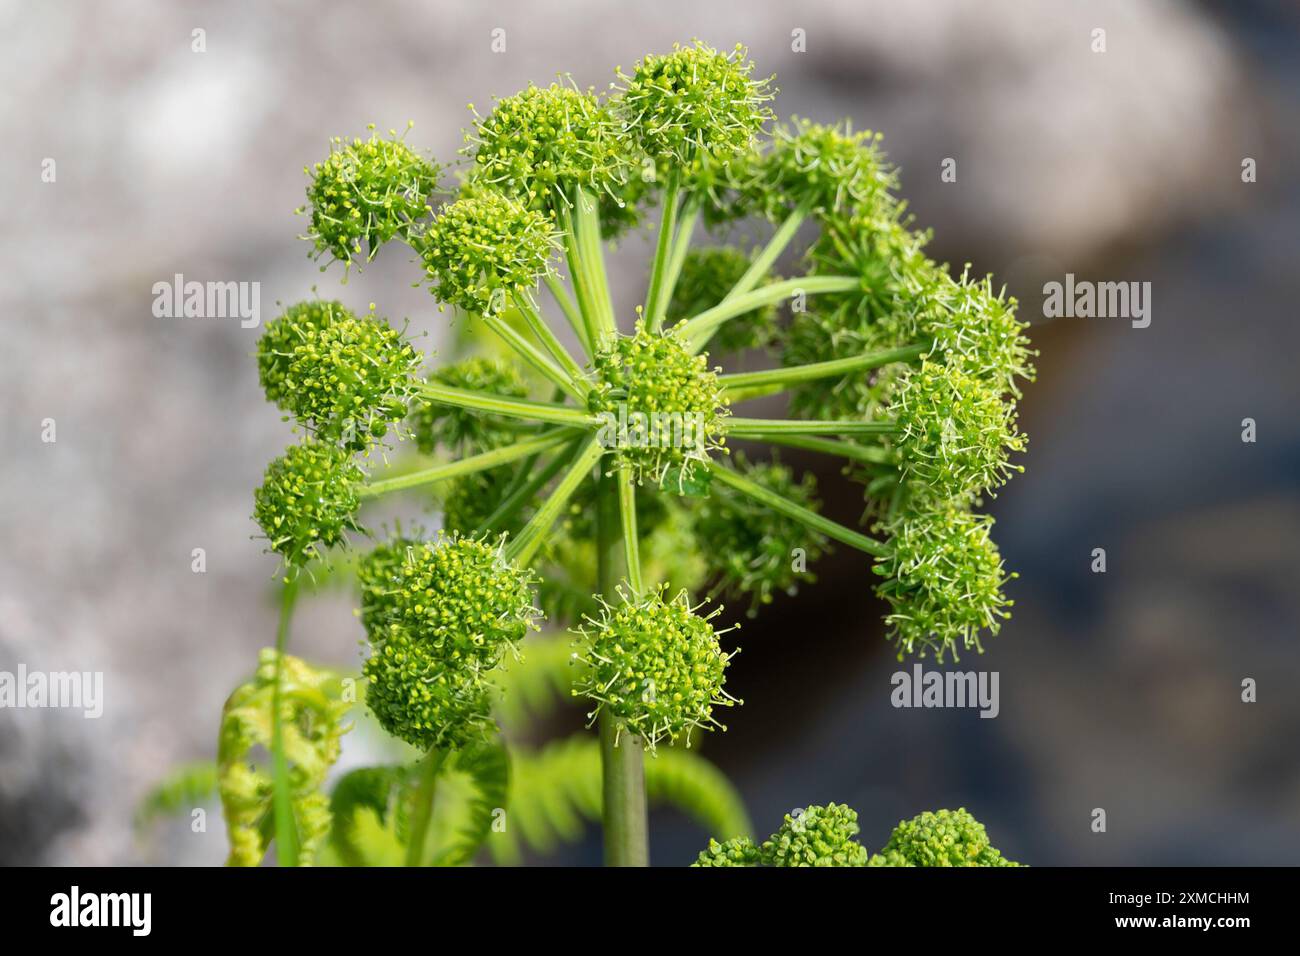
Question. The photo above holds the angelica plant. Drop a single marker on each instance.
(586, 470)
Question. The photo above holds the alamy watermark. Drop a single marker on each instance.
(65, 690)
(179, 299)
(1102, 300)
(957, 689)
(75, 908)
(626, 429)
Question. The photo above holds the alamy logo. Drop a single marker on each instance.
(1102, 300)
(103, 909)
(921, 688)
(78, 690)
(654, 430)
(179, 299)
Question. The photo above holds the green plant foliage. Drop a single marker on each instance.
(941, 838)
(464, 430)
(308, 500)
(819, 836)
(707, 276)
(187, 787)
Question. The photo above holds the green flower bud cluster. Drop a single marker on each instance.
(308, 500)
(311, 715)
(943, 581)
(365, 193)
(707, 276)
(824, 168)
(749, 547)
(540, 144)
(661, 406)
(468, 501)
(345, 378)
(827, 836)
(694, 104)
(941, 838)
(440, 616)
(466, 430)
(483, 250)
(655, 665)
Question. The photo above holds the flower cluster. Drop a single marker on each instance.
(822, 168)
(941, 838)
(655, 665)
(365, 193)
(308, 500)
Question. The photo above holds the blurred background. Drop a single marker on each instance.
(1119, 691)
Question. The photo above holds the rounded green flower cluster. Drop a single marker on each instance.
(749, 547)
(695, 104)
(941, 838)
(655, 665)
(345, 378)
(943, 581)
(484, 250)
(540, 144)
(465, 430)
(661, 408)
(955, 434)
(367, 192)
(817, 836)
(440, 616)
(738, 851)
(308, 500)
(707, 275)
(822, 168)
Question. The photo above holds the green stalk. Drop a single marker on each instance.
(424, 806)
(502, 405)
(767, 427)
(587, 223)
(587, 307)
(764, 261)
(744, 385)
(832, 529)
(530, 537)
(631, 540)
(698, 330)
(569, 308)
(530, 354)
(286, 830)
(622, 757)
(867, 454)
(520, 495)
(465, 466)
(548, 339)
(681, 245)
(655, 304)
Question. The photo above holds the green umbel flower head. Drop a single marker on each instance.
(748, 546)
(655, 665)
(955, 433)
(738, 851)
(695, 104)
(943, 581)
(462, 429)
(379, 576)
(819, 836)
(346, 379)
(365, 193)
(661, 407)
(826, 169)
(942, 838)
(707, 276)
(484, 250)
(308, 500)
(542, 143)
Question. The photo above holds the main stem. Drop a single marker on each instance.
(622, 756)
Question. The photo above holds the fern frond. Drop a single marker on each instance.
(531, 686)
(188, 786)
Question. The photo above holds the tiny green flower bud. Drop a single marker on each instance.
(942, 838)
(694, 104)
(752, 549)
(955, 433)
(379, 575)
(348, 380)
(707, 276)
(655, 665)
(308, 500)
(483, 250)
(738, 851)
(367, 192)
(467, 430)
(661, 407)
(818, 836)
(943, 580)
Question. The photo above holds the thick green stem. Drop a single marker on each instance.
(524, 491)
(698, 330)
(764, 261)
(622, 755)
(466, 466)
(503, 405)
(530, 354)
(655, 304)
(586, 222)
(767, 427)
(286, 830)
(743, 385)
(423, 809)
(578, 275)
(549, 340)
(631, 539)
(832, 529)
(569, 308)
(530, 537)
(690, 215)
